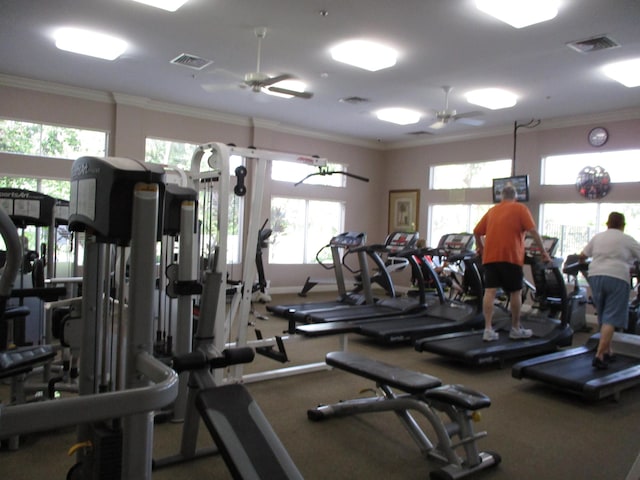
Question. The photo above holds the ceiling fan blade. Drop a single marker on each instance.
(469, 118)
(273, 80)
(293, 93)
(475, 113)
(437, 125)
(475, 122)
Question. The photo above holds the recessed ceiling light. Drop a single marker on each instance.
(519, 13)
(626, 72)
(400, 116)
(492, 98)
(89, 43)
(365, 54)
(168, 5)
(295, 85)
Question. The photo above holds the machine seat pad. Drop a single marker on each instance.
(459, 396)
(406, 380)
(16, 312)
(21, 359)
(246, 440)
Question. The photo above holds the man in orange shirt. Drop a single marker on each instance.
(500, 242)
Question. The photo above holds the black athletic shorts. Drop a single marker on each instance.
(507, 276)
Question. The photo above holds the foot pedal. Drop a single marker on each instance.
(279, 355)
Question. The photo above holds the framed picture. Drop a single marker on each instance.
(403, 210)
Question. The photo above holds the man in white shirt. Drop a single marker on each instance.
(612, 253)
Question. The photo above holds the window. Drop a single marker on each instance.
(447, 219)
(284, 171)
(50, 140)
(178, 154)
(564, 169)
(302, 227)
(468, 175)
(167, 152)
(575, 223)
(458, 218)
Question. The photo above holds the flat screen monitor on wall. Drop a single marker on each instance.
(520, 182)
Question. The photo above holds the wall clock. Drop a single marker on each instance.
(598, 136)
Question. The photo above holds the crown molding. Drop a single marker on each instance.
(549, 124)
(54, 88)
(164, 107)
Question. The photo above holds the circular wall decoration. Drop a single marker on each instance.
(593, 183)
(598, 136)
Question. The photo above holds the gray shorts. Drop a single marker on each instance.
(611, 300)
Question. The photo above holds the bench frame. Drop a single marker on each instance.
(450, 409)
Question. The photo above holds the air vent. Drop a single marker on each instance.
(593, 44)
(191, 61)
(354, 100)
(420, 132)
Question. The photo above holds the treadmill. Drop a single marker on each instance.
(571, 370)
(397, 250)
(436, 314)
(548, 318)
(340, 246)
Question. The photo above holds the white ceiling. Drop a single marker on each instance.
(441, 42)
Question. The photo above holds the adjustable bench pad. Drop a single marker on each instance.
(382, 373)
(22, 359)
(246, 440)
(459, 396)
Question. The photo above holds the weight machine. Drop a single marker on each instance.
(214, 184)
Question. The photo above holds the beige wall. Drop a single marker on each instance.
(409, 167)
(129, 120)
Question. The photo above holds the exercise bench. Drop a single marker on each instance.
(426, 395)
(241, 433)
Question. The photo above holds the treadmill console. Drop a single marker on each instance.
(456, 243)
(531, 249)
(348, 240)
(398, 241)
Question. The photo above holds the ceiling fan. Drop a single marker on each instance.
(446, 115)
(258, 81)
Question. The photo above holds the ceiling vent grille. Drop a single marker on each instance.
(420, 132)
(191, 61)
(354, 100)
(593, 44)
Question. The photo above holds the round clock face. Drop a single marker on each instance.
(598, 136)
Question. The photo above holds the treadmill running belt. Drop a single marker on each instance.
(576, 372)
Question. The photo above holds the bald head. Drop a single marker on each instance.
(509, 192)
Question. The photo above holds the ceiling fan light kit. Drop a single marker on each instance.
(447, 115)
(283, 85)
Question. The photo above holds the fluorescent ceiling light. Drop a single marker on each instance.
(626, 72)
(492, 98)
(365, 54)
(89, 43)
(520, 13)
(168, 5)
(400, 116)
(295, 85)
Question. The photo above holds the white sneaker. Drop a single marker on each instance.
(490, 336)
(520, 333)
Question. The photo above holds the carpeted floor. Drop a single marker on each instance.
(539, 433)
